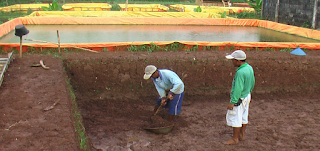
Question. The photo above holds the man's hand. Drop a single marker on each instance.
(163, 102)
(170, 97)
(230, 106)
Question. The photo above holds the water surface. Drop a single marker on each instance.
(151, 33)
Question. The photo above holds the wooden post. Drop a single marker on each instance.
(262, 7)
(277, 12)
(314, 18)
(198, 2)
(58, 41)
(20, 47)
(126, 5)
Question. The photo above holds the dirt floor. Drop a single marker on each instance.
(116, 103)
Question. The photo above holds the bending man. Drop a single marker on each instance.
(170, 89)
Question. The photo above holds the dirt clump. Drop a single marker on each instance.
(157, 121)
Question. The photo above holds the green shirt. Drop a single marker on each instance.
(243, 83)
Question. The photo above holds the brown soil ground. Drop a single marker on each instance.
(116, 103)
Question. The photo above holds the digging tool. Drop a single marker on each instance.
(159, 108)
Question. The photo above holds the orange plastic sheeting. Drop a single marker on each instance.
(256, 44)
(122, 14)
(185, 8)
(174, 18)
(144, 7)
(6, 27)
(93, 46)
(9, 26)
(207, 9)
(119, 45)
(304, 32)
(86, 7)
(133, 20)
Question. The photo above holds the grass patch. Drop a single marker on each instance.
(286, 50)
(79, 128)
(4, 16)
(246, 15)
(141, 48)
(153, 47)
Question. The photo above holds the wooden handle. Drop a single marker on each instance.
(159, 108)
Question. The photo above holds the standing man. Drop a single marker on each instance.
(170, 89)
(242, 86)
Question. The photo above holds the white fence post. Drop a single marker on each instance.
(314, 18)
(277, 11)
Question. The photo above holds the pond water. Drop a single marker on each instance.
(151, 33)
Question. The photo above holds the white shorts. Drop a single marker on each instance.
(239, 114)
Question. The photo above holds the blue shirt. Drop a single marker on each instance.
(168, 81)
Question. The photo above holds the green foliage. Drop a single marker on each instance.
(79, 128)
(105, 49)
(194, 48)
(115, 7)
(29, 11)
(198, 9)
(285, 50)
(133, 48)
(268, 49)
(224, 14)
(37, 1)
(52, 7)
(257, 6)
(6, 16)
(2, 4)
(154, 47)
(232, 47)
(176, 46)
(305, 24)
(245, 15)
(144, 47)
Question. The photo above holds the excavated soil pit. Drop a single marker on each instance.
(117, 103)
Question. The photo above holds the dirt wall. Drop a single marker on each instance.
(206, 74)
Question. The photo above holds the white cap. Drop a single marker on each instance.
(150, 69)
(238, 55)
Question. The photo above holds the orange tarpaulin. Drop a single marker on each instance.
(304, 32)
(6, 27)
